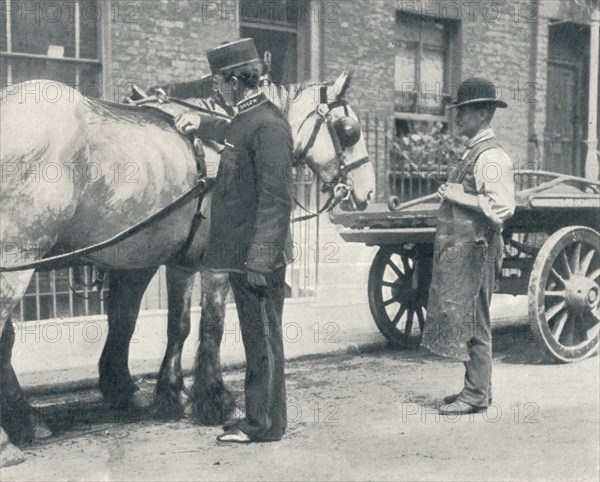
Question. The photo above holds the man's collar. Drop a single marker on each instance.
(482, 135)
(250, 102)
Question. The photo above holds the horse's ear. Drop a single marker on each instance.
(266, 63)
(342, 83)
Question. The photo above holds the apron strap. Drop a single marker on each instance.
(473, 155)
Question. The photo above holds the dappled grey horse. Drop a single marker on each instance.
(72, 219)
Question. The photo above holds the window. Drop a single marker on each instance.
(56, 294)
(53, 40)
(279, 26)
(423, 68)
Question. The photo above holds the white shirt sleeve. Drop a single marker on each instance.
(495, 185)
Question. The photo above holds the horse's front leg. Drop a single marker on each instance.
(212, 402)
(170, 395)
(123, 306)
(12, 287)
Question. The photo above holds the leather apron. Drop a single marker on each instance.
(463, 238)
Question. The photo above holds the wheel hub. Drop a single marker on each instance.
(582, 293)
(403, 292)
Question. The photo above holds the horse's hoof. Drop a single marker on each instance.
(9, 454)
(136, 402)
(167, 408)
(41, 431)
(140, 401)
(213, 407)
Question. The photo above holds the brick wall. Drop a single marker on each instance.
(496, 42)
(357, 35)
(161, 41)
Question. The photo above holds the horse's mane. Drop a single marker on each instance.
(287, 94)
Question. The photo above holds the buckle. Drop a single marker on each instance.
(322, 110)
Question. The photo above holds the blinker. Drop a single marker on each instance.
(347, 130)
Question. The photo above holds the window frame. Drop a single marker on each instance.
(301, 29)
(36, 293)
(451, 65)
(76, 60)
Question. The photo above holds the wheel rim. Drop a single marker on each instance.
(566, 276)
(398, 299)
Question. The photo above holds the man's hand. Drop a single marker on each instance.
(257, 280)
(452, 192)
(187, 122)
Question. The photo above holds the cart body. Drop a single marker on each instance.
(552, 255)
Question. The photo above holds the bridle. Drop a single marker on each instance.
(338, 188)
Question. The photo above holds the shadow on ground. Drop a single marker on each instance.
(511, 344)
(70, 415)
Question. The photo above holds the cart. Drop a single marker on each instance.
(551, 254)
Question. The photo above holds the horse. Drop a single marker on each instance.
(62, 217)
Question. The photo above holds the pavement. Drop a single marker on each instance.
(53, 356)
(62, 354)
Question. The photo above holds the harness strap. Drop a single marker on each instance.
(346, 168)
(190, 194)
(312, 139)
(328, 206)
(196, 220)
(323, 94)
(187, 105)
(339, 152)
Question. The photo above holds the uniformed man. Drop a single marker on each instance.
(250, 216)
(476, 201)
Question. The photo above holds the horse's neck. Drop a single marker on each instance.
(277, 94)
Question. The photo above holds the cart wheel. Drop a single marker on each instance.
(398, 288)
(564, 293)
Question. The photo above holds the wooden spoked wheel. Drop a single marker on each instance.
(398, 289)
(564, 293)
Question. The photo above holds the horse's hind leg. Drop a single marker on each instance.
(212, 402)
(170, 394)
(21, 421)
(125, 294)
(12, 287)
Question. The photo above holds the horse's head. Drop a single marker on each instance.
(328, 139)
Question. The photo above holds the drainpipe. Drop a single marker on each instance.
(533, 141)
(316, 11)
(591, 160)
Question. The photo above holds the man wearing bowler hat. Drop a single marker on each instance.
(476, 201)
(250, 216)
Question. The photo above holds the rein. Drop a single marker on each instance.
(192, 193)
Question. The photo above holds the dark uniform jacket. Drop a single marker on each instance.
(252, 198)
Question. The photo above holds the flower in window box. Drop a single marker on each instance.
(426, 153)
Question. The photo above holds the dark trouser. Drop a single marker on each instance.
(478, 374)
(260, 313)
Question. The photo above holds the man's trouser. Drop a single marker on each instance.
(259, 312)
(478, 374)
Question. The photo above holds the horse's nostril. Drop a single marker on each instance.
(370, 196)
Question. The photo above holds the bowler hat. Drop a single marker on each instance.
(477, 91)
(231, 55)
